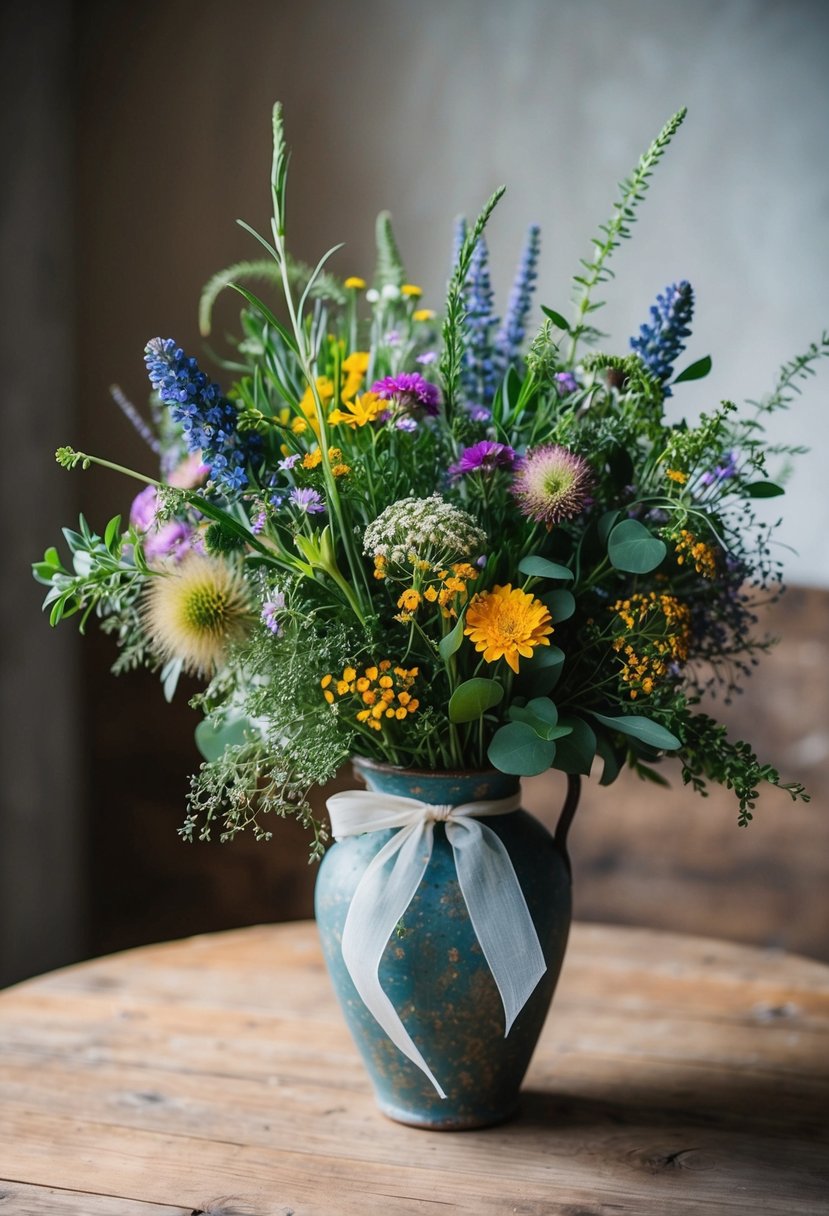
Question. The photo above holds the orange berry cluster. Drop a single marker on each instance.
(688, 548)
(382, 691)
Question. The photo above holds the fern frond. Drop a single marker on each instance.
(389, 269)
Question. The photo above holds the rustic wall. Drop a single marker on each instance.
(423, 108)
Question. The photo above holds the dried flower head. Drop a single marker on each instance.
(552, 484)
(193, 611)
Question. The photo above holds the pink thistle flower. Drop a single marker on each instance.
(551, 484)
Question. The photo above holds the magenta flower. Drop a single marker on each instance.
(171, 539)
(410, 391)
(483, 457)
(551, 484)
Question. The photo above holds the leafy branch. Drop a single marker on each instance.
(633, 190)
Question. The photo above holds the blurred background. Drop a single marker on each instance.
(135, 134)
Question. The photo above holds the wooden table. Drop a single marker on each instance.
(675, 1075)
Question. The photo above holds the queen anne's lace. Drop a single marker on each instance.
(423, 529)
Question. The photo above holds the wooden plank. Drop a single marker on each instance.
(665, 1081)
(20, 1199)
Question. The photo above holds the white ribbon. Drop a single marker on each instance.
(497, 909)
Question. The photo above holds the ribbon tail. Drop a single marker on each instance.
(498, 912)
(376, 907)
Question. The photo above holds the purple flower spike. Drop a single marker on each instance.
(270, 613)
(309, 501)
(410, 391)
(483, 457)
(566, 383)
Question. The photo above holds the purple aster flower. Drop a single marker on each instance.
(566, 383)
(721, 472)
(406, 423)
(409, 390)
(427, 358)
(270, 613)
(478, 413)
(290, 461)
(309, 501)
(393, 337)
(483, 457)
(551, 484)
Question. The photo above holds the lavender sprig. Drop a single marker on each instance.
(509, 340)
(660, 344)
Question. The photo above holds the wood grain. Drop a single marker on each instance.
(675, 1075)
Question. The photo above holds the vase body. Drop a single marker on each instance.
(433, 968)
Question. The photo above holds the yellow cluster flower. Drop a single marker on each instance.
(423, 314)
(411, 290)
(656, 632)
(354, 283)
(676, 475)
(689, 549)
(313, 459)
(382, 691)
(446, 588)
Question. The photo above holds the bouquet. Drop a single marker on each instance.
(439, 541)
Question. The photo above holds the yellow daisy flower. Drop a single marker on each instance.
(505, 623)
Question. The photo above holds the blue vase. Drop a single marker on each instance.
(433, 969)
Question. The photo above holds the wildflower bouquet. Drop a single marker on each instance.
(429, 542)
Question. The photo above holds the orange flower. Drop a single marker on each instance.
(505, 623)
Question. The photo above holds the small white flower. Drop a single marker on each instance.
(390, 292)
(372, 295)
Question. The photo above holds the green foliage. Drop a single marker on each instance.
(389, 271)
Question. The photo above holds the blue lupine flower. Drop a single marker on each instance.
(510, 336)
(479, 374)
(660, 344)
(209, 422)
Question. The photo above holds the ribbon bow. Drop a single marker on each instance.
(497, 909)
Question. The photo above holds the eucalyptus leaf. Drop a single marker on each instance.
(637, 726)
(632, 548)
(574, 754)
(517, 749)
(541, 673)
(606, 523)
(540, 567)
(613, 760)
(541, 715)
(696, 371)
(212, 740)
(473, 698)
(561, 603)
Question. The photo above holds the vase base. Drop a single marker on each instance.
(435, 1121)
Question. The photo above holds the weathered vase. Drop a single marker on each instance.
(433, 968)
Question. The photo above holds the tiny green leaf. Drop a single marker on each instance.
(540, 567)
(112, 532)
(633, 549)
(473, 698)
(556, 318)
(696, 371)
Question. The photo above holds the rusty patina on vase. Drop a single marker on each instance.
(433, 969)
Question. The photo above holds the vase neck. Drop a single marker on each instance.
(437, 788)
